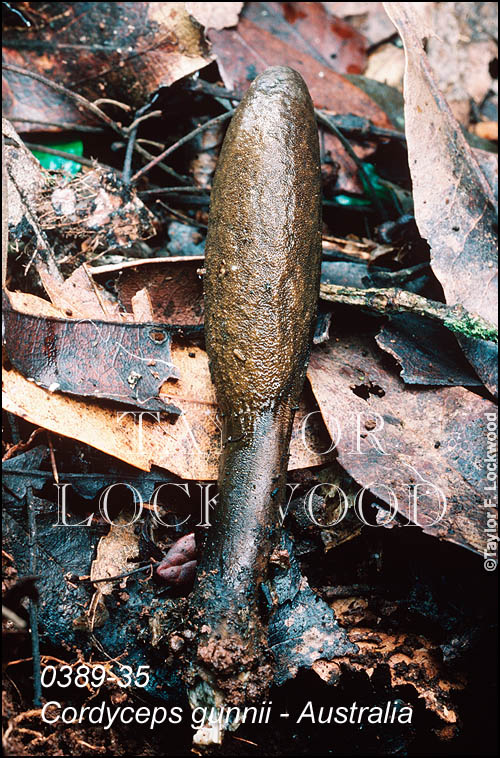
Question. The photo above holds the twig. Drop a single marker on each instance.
(217, 120)
(127, 573)
(355, 126)
(182, 216)
(132, 132)
(47, 255)
(91, 163)
(367, 183)
(173, 190)
(53, 462)
(67, 125)
(394, 300)
(108, 101)
(84, 103)
(33, 605)
(140, 119)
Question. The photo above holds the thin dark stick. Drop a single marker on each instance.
(128, 573)
(33, 605)
(356, 126)
(174, 190)
(84, 103)
(44, 249)
(68, 156)
(326, 120)
(131, 130)
(182, 216)
(67, 125)
(127, 163)
(217, 120)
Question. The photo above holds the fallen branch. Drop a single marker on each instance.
(393, 300)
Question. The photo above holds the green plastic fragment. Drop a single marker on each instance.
(55, 162)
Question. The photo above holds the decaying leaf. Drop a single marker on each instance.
(427, 352)
(309, 28)
(189, 448)
(302, 628)
(96, 209)
(174, 286)
(454, 203)
(405, 445)
(411, 660)
(125, 362)
(115, 553)
(121, 51)
(215, 15)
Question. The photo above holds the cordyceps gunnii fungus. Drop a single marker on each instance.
(263, 257)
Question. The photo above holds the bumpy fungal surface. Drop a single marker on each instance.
(262, 264)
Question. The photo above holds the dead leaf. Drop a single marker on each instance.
(115, 553)
(80, 296)
(125, 362)
(302, 628)
(369, 18)
(454, 203)
(461, 51)
(95, 208)
(246, 51)
(411, 660)
(215, 15)
(402, 442)
(122, 51)
(309, 28)
(427, 352)
(190, 448)
(174, 287)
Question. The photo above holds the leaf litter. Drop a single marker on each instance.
(352, 381)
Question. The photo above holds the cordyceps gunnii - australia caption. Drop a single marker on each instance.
(263, 257)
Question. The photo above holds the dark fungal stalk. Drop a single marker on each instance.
(263, 255)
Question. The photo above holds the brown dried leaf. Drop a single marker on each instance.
(369, 18)
(124, 362)
(309, 28)
(454, 203)
(426, 438)
(115, 554)
(215, 15)
(174, 287)
(122, 51)
(246, 51)
(411, 660)
(190, 448)
(427, 352)
(79, 296)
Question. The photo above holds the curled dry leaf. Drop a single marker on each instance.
(123, 51)
(454, 202)
(401, 442)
